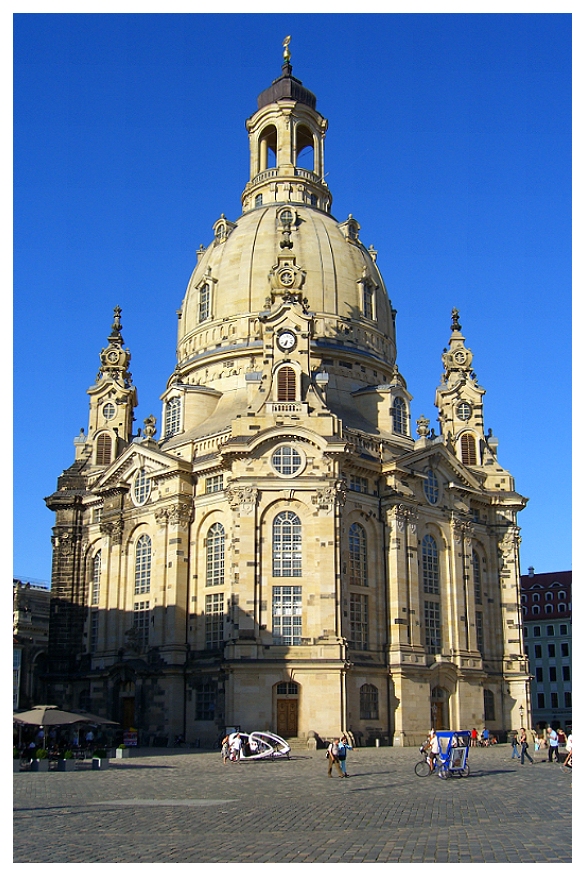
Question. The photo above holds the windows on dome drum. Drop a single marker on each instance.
(172, 416)
(103, 451)
(204, 302)
(142, 568)
(367, 301)
(476, 577)
(286, 546)
(468, 449)
(399, 416)
(287, 615)
(215, 550)
(357, 556)
(286, 384)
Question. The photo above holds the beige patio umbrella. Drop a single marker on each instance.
(49, 716)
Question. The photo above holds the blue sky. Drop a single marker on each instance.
(449, 141)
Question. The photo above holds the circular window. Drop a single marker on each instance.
(287, 461)
(431, 487)
(464, 411)
(141, 487)
(287, 278)
(286, 217)
(109, 411)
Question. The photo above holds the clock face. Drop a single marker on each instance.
(286, 340)
(112, 356)
(287, 278)
(459, 357)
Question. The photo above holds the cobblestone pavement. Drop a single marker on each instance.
(187, 807)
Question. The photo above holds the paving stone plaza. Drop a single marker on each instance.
(186, 806)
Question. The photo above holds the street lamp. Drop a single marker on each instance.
(521, 710)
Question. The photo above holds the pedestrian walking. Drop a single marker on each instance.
(515, 752)
(343, 748)
(553, 745)
(524, 747)
(474, 737)
(485, 737)
(333, 757)
(225, 749)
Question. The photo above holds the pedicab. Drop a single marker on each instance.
(452, 757)
(258, 745)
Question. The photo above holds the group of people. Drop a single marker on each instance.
(484, 738)
(553, 740)
(233, 746)
(337, 755)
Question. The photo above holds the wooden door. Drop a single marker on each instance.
(287, 715)
(128, 712)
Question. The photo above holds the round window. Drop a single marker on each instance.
(109, 411)
(287, 461)
(431, 487)
(464, 411)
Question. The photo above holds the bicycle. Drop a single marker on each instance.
(452, 759)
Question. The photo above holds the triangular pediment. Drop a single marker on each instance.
(136, 456)
(443, 462)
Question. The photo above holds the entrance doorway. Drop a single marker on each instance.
(287, 709)
(128, 712)
(440, 708)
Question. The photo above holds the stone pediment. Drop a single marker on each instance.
(136, 456)
(443, 462)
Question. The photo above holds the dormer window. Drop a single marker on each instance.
(468, 449)
(399, 416)
(258, 201)
(204, 302)
(173, 417)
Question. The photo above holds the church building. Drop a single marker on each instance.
(285, 550)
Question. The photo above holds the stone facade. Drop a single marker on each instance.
(286, 555)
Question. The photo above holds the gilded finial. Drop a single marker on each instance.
(285, 43)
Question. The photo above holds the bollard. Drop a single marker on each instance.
(377, 743)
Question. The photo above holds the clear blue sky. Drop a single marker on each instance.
(449, 140)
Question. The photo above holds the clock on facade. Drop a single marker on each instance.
(286, 340)
(113, 356)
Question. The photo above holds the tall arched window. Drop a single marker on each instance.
(368, 702)
(286, 384)
(143, 565)
(286, 546)
(204, 302)
(430, 564)
(172, 416)
(399, 416)
(96, 572)
(103, 452)
(476, 576)
(215, 545)
(358, 573)
(468, 449)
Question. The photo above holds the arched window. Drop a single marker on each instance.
(305, 149)
(549, 609)
(96, 572)
(141, 487)
(286, 384)
(489, 705)
(358, 573)
(368, 702)
(477, 577)
(468, 449)
(172, 416)
(204, 302)
(535, 609)
(561, 607)
(215, 545)
(103, 453)
(431, 487)
(536, 597)
(399, 416)
(286, 546)
(143, 565)
(430, 564)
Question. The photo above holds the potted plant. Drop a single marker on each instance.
(42, 760)
(122, 751)
(66, 763)
(16, 759)
(100, 759)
